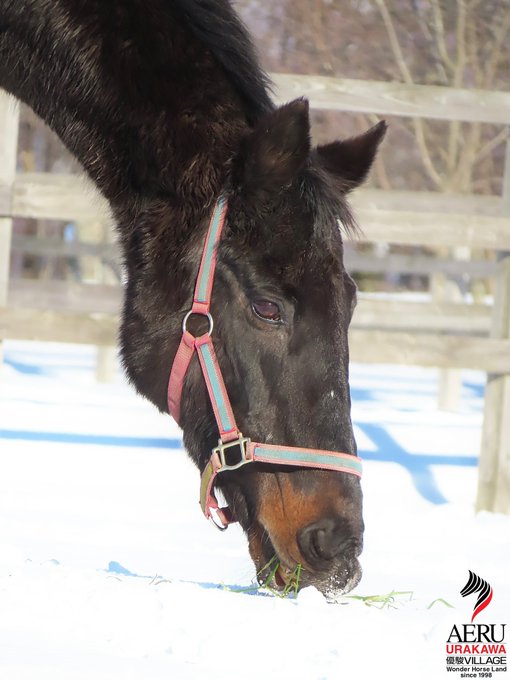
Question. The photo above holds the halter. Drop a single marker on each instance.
(233, 450)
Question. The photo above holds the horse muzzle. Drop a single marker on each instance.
(317, 556)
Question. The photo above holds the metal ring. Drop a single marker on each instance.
(209, 318)
(217, 523)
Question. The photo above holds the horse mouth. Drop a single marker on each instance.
(287, 575)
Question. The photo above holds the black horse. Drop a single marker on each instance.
(165, 106)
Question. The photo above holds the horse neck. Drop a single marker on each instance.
(134, 96)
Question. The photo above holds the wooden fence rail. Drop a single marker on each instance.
(397, 263)
(373, 311)
(394, 99)
(55, 247)
(437, 220)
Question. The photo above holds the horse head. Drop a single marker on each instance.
(165, 106)
(282, 304)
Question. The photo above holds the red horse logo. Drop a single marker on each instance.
(476, 584)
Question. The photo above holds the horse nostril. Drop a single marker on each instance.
(324, 540)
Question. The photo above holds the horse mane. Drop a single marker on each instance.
(217, 26)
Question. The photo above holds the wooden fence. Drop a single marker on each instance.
(450, 335)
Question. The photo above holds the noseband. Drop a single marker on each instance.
(233, 450)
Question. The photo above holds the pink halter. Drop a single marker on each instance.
(233, 449)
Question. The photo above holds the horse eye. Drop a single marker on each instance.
(266, 310)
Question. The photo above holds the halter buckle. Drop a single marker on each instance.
(225, 454)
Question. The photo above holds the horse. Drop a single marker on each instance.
(165, 105)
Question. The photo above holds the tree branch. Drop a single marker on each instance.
(465, 166)
(326, 54)
(430, 35)
(394, 42)
(492, 144)
(440, 35)
(493, 63)
(458, 74)
(418, 124)
(474, 56)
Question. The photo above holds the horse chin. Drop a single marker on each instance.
(342, 581)
(275, 571)
(334, 584)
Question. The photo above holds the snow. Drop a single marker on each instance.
(108, 569)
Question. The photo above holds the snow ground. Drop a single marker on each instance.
(108, 570)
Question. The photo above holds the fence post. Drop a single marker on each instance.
(94, 269)
(450, 379)
(9, 116)
(494, 469)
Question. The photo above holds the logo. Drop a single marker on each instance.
(476, 584)
(476, 650)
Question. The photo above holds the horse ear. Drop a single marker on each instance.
(350, 160)
(276, 149)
